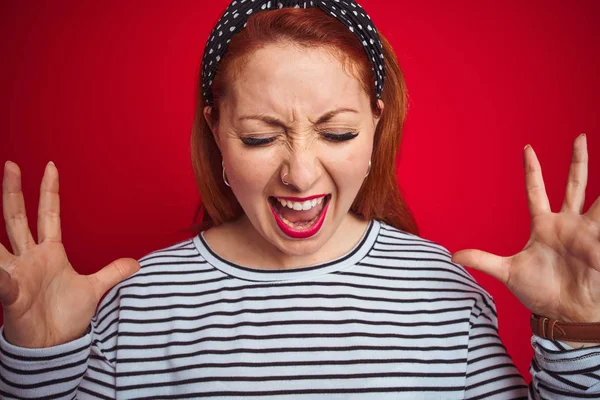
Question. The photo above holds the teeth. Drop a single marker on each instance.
(300, 206)
(303, 225)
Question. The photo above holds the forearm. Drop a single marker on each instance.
(54, 372)
(75, 368)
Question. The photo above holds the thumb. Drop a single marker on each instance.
(8, 289)
(113, 273)
(491, 264)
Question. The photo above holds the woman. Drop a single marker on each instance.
(309, 280)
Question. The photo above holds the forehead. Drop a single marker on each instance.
(288, 79)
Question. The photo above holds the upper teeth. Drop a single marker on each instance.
(297, 205)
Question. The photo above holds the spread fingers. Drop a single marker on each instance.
(49, 207)
(534, 184)
(578, 174)
(13, 208)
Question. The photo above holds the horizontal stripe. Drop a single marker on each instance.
(444, 389)
(393, 318)
(173, 343)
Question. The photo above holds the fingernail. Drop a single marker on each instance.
(583, 134)
(526, 147)
(52, 163)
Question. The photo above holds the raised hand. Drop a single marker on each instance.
(45, 301)
(557, 274)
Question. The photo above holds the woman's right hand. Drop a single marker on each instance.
(45, 301)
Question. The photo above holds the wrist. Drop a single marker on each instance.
(576, 335)
(580, 345)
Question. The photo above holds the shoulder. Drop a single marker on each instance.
(180, 258)
(164, 274)
(180, 251)
(399, 239)
(161, 268)
(415, 257)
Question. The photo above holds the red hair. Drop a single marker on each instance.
(379, 197)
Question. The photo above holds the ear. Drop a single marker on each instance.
(212, 124)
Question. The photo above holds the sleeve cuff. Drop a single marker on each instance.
(76, 349)
(559, 357)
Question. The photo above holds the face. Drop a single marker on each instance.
(295, 114)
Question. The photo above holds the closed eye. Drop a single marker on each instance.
(252, 141)
(339, 137)
(334, 137)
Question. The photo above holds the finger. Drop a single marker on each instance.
(49, 207)
(594, 212)
(485, 262)
(112, 274)
(8, 289)
(578, 175)
(13, 206)
(534, 184)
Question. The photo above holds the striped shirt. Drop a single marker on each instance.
(393, 318)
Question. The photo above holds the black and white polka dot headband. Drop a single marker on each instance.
(236, 15)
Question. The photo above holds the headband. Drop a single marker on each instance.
(236, 16)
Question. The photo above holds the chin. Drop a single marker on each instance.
(315, 224)
(304, 238)
(302, 247)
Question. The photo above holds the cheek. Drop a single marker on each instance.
(351, 165)
(250, 175)
(347, 173)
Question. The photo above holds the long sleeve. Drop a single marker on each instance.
(558, 372)
(188, 326)
(85, 368)
(81, 369)
(77, 369)
(491, 373)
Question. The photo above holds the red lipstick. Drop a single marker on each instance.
(305, 233)
(301, 199)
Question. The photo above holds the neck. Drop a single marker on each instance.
(253, 250)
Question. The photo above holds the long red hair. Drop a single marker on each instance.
(379, 197)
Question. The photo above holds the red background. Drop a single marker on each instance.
(107, 91)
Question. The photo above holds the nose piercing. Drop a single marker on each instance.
(283, 180)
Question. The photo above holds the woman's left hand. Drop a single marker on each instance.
(557, 274)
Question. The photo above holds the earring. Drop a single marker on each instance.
(369, 169)
(283, 180)
(224, 177)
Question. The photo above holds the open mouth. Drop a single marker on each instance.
(300, 219)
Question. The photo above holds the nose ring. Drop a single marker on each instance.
(283, 180)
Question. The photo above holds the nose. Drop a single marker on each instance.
(303, 171)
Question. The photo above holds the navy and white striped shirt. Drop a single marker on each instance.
(393, 318)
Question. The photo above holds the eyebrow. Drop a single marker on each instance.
(322, 119)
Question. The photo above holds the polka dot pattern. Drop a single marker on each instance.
(233, 20)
